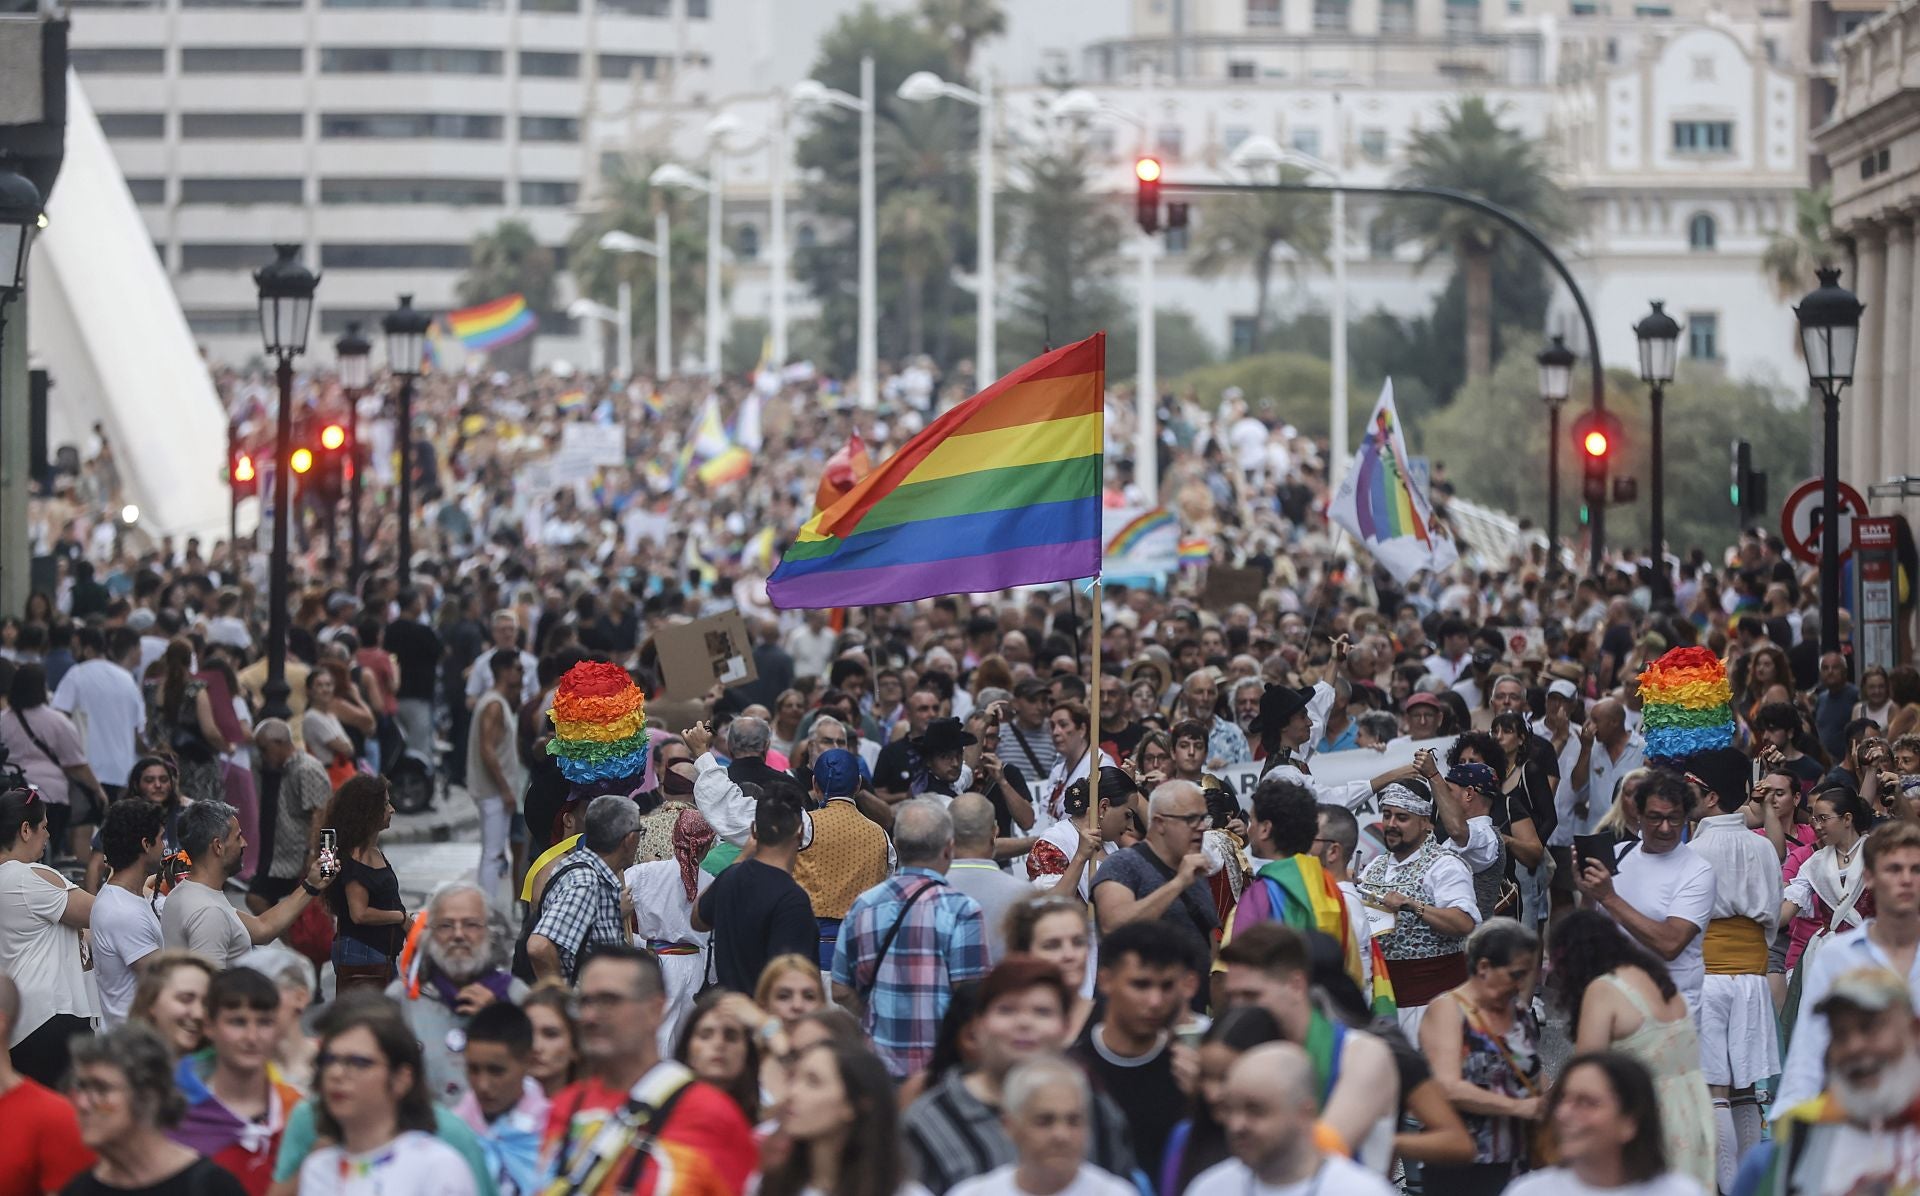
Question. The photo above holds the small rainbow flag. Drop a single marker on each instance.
(490, 325)
(656, 402)
(1378, 503)
(1195, 551)
(731, 465)
(573, 400)
(1002, 490)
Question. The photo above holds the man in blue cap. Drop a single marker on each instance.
(849, 853)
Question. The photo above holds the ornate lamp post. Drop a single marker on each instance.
(1556, 382)
(286, 309)
(406, 331)
(1659, 336)
(1829, 336)
(350, 354)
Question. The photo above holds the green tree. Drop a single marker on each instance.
(509, 259)
(1471, 151)
(965, 24)
(1792, 256)
(1179, 346)
(914, 225)
(1243, 229)
(627, 203)
(1067, 240)
(1493, 441)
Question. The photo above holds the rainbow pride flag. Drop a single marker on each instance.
(490, 325)
(1002, 490)
(1195, 551)
(731, 465)
(1296, 891)
(573, 400)
(1379, 504)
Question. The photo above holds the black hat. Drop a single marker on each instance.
(1726, 771)
(1279, 703)
(943, 735)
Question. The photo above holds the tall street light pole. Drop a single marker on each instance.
(624, 243)
(813, 94)
(674, 175)
(925, 86)
(406, 331)
(351, 363)
(286, 308)
(1556, 383)
(20, 218)
(1829, 336)
(727, 127)
(1659, 337)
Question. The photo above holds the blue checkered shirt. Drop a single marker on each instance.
(581, 909)
(942, 942)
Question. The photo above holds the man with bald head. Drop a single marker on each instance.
(1608, 751)
(1269, 1114)
(974, 871)
(1164, 876)
(294, 792)
(41, 1149)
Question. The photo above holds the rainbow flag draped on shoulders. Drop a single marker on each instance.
(1002, 490)
(490, 325)
(1296, 891)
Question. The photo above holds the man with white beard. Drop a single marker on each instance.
(450, 971)
(1863, 1133)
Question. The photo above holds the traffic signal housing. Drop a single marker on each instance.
(1147, 203)
(242, 476)
(1596, 436)
(1748, 491)
(330, 470)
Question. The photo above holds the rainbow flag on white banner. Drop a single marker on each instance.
(1378, 502)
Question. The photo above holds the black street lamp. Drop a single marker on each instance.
(286, 309)
(1829, 336)
(1659, 336)
(1556, 383)
(351, 364)
(406, 331)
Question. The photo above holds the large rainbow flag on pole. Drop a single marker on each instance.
(1378, 502)
(490, 325)
(1002, 490)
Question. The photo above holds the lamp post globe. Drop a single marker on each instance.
(1829, 319)
(285, 290)
(406, 331)
(19, 220)
(286, 302)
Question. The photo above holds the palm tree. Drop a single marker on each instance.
(1792, 256)
(1249, 227)
(1472, 152)
(965, 24)
(627, 203)
(913, 228)
(506, 260)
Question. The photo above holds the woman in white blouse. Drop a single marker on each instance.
(41, 916)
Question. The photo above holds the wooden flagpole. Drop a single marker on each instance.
(1093, 721)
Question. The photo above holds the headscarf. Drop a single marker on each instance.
(692, 839)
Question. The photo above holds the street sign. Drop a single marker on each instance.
(1800, 520)
(1877, 600)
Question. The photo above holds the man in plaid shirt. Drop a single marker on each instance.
(586, 903)
(900, 980)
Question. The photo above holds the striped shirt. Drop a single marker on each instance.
(941, 942)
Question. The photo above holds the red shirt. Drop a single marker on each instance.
(706, 1147)
(41, 1149)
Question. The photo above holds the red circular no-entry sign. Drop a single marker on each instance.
(1801, 520)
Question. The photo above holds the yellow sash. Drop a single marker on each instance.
(1735, 947)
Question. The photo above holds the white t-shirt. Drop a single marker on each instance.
(125, 931)
(1558, 1181)
(1336, 1175)
(41, 955)
(414, 1164)
(1674, 884)
(1091, 1181)
(108, 698)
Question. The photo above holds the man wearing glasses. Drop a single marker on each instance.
(1164, 876)
(447, 975)
(1662, 890)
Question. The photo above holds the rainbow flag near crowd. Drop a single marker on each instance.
(1381, 506)
(1002, 490)
(490, 325)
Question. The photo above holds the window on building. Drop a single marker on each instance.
(452, 126)
(466, 4)
(697, 10)
(1380, 239)
(148, 190)
(1373, 145)
(1178, 240)
(1653, 10)
(1701, 233)
(241, 191)
(1242, 335)
(1463, 16)
(549, 64)
(1703, 336)
(1242, 70)
(113, 3)
(235, 321)
(132, 125)
(1702, 136)
(1265, 14)
(117, 60)
(395, 256)
(408, 60)
(805, 237)
(223, 256)
(251, 126)
(1168, 142)
(1585, 8)
(628, 66)
(1306, 141)
(548, 193)
(1331, 16)
(1232, 136)
(448, 192)
(242, 60)
(1396, 16)
(549, 128)
(549, 6)
(638, 8)
(242, 3)
(746, 242)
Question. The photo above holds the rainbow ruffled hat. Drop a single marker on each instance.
(1686, 705)
(600, 724)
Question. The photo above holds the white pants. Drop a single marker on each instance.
(494, 861)
(415, 716)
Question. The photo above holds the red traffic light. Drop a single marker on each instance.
(1147, 170)
(243, 468)
(332, 436)
(1595, 443)
(302, 460)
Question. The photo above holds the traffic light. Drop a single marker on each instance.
(242, 477)
(1749, 489)
(1147, 205)
(330, 474)
(302, 459)
(1595, 437)
(332, 437)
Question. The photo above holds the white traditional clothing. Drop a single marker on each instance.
(1049, 804)
(1739, 1037)
(663, 916)
(1430, 963)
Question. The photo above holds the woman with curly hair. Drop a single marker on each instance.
(366, 903)
(1761, 676)
(182, 721)
(1619, 997)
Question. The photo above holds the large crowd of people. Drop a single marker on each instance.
(1346, 886)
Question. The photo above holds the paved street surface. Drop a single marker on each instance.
(422, 867)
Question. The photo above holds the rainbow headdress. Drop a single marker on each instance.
(1686, 705)
(599, 723)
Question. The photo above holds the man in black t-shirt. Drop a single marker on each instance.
(1163, 878)
(755, 909)
(415, 648)
(900, 758)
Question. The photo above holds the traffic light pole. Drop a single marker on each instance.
(233, 500)
(1597, 512)
(354, 548)
(1553, 489)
